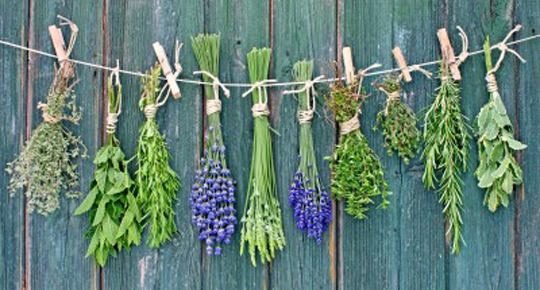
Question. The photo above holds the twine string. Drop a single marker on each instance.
(350, 125)
(214, 105)
(260, 108)
(464, 49)
(112, 117)
(305, 116)
(363, 73)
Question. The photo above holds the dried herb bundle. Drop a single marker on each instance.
(446, 151)
(261, 223)
(115, 218)
(46, 165)
(307, 196)
(212, 194)
(358, 175)
(157, 184)
(498, 171)
(398, 121)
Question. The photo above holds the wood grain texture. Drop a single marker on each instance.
(132, 27)
(13, 69)
(56, 244)
(526, 111)
(243, 24)
(299, 34)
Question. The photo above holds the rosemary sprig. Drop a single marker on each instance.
(46, 164)
(398, 122)
(446, 151)
(498, 170)
(157, 184)
(115, 218)
(261, 223)
(307, 196)
(212, 196)
(358, 175)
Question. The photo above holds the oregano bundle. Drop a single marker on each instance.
(261, 223)
(498, 170)
(397, 121)
(446, 151)
(358, 175)
(157, 184)
(115, 217)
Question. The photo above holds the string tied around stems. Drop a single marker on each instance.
(350, 125)
(261, 107)
(45, 114)
(214, 105)
(305, 116)
(112, 117)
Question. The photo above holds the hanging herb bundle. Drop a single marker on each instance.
(261, 223)
(358, 175)
(115, 218)
(45, 166)
(446, 151)
(498, 171)
(307, 196)
(157, 184)
(398, 121)
(212, 196)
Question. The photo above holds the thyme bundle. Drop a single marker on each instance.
(446, 151)
(45, 166)
(212, 196)
(307, 196)
(115, 218)
(261, 223)
(157, 184)
(498, 170)
(397, 121)
(358, 175)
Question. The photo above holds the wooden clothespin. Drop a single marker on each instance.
(58, 43)
(402, 64)
(167, 70)
(448, 53)
(349, 65)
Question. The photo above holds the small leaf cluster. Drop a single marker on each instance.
(398, 123)
(357, 172)
(115, 217)
(261, 223)
(157, 184)
(446, 151)
(498, 170)
(46, 165)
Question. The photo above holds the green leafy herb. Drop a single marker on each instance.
(261, 224)
(498, 170)
(157, 184)
(46, 164)
(358, 175)
(398, 122)
(446, 151)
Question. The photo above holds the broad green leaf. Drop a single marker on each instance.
(101, 156)
(499, 105)
(492, 131)
(87, 203)
(515, 144)
(125, 224)
(109, 229)
(100, 211)
(93, 244)
(486, 180)
(501, 169)
(101, 178)
(497, 152)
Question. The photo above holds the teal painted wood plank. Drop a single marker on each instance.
(486, 262)
(302, 30)
(243, 25)
(56, 244)
(369, 247)
(527, 203)
(421, 251)
(13, 67)
(133, 27)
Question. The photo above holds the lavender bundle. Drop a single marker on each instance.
(307, 196)
(212, 196)
(261, 222)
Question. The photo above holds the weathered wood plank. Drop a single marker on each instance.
(56, 244)
(527, 241)
(486, 262)
(421, 251)
(133, 27)
(13, 67)
(299, 33)
(243, 25)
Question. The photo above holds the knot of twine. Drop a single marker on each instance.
(150, 110)
(362, 73)
(414, 68)
(214, 105)
(112, 117)
(46, 116)
(503, 47)
(465, 47)
(349, 126)
(491, 83)
(261, 107)
(305, 116)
